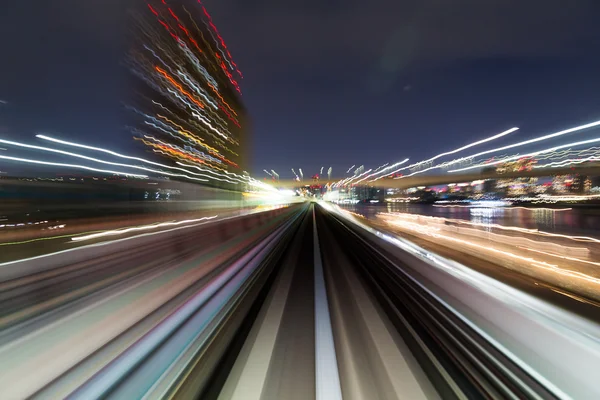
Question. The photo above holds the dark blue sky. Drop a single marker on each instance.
(326, 82)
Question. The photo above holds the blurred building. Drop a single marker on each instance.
(185, 105)
(489, 186)
(579, 184)
(368, 194)
(587, 186)
(520, 165)
(514, 187)
(354, 195)
(561, 184)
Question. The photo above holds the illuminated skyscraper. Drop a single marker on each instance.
(187, 104)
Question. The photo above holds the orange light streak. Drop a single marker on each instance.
(178, 86)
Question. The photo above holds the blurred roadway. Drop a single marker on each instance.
(299, 302)
(18, 241)
(559, 270)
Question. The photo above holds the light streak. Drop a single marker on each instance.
(450, 224)
(460, 206)
(417, 172)
(388, 168)
(559, 256)
(121, 240)
(198, 90)
(539, 139)
(190, 136)
(566, 163)
(446, 164)
(417, 164)
(572, 296)
(44, 137)
(47, 238)
(504, 208)
(214, 28)
(76, 166)
(210, 171)
(382, 166)
(563, 154)
(568, 198)
(39, 239)
(138, 228)
(532, 154)
(206, 122)
(502, 227)
(214, 88)
(67, 153)
(357, 173)
(401, 199)
(171, 150)
(507, 132)
(188, 53)
(179, 87)
(539, 209)
(377, 173)
(350, 169)
(432, 232)
(356, 177)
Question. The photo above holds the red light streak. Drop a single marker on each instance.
(183, 28)
(212, 25)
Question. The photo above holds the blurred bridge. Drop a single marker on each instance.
(442, 179)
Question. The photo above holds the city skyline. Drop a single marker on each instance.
(324, 109)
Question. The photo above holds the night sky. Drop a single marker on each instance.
(326, 82)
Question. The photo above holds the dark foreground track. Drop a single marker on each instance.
(299, 304)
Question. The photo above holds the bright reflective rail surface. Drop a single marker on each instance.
(288, 301)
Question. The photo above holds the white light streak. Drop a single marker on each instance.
(356, 177)
(138, 228)
(377, 173)
(82, 146)
(388, 168)
(67, 153)
(565, 163)
(499, 135)
(113, 153)
(25, 160)
(507, 132)
(526, 142)
(382, 166)
(206, 122)
(208, 171)
(533, 154)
